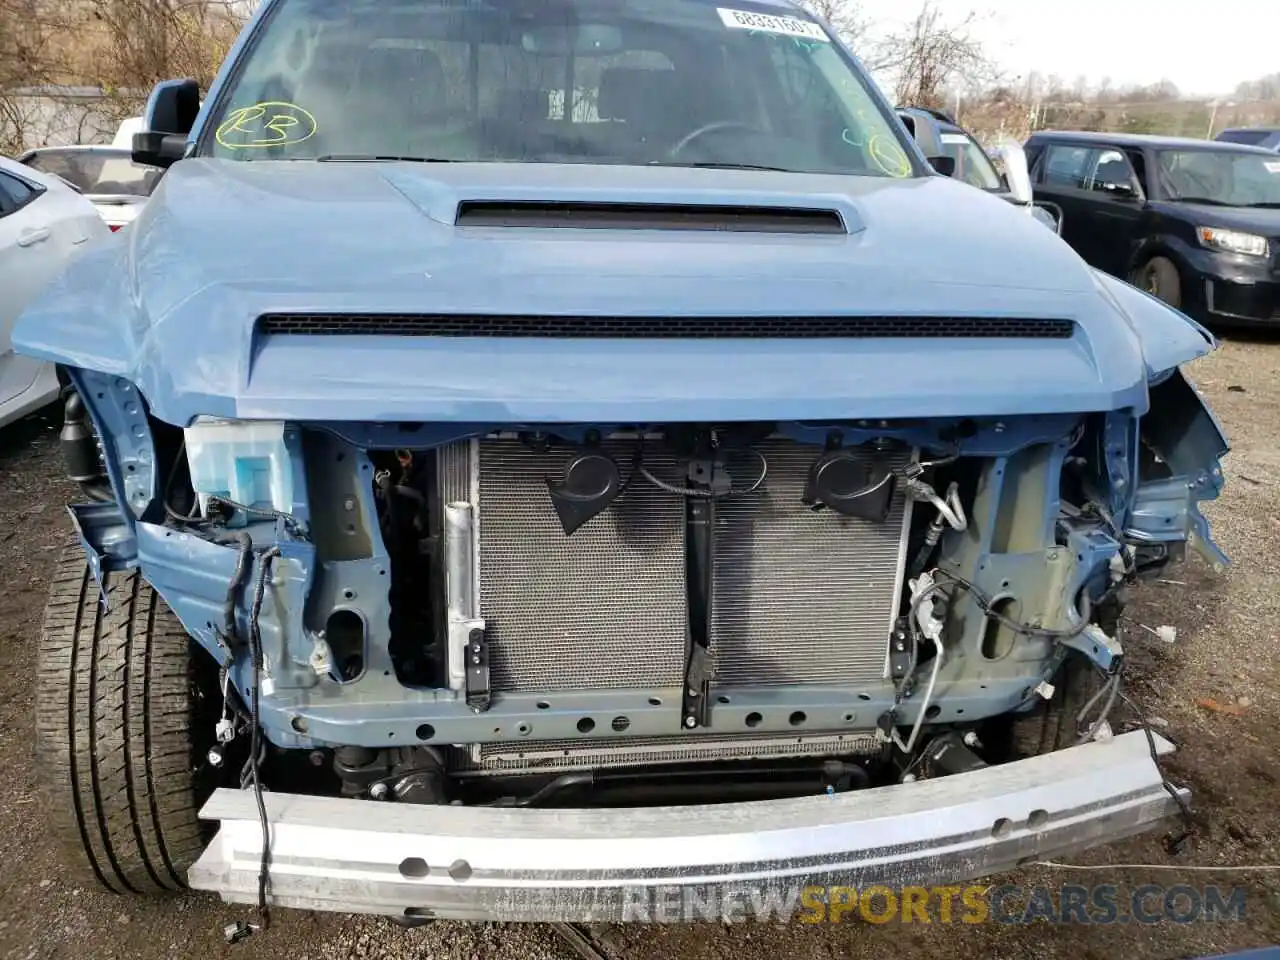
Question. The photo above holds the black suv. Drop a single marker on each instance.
(1194, 222)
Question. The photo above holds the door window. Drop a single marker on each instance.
(15, 194)
(1065, 166)
(1112, 173)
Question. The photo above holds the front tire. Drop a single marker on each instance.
(1159, 277)
(1052, 726)
(114, 746)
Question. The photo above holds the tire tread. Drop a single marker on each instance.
(113, 736)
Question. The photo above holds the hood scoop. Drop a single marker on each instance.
(596, 215)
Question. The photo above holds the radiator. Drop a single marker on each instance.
(801, 597)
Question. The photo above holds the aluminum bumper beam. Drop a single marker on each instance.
(490, 863)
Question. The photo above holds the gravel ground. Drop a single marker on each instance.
(1228, 650)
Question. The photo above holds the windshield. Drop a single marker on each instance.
(669, 82)
(1221, 177)
(99, 172)
(973, 166)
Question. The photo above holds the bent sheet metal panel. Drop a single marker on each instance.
(530, 864)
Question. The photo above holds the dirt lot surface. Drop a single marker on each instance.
(1227, 651)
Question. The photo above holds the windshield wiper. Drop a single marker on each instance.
(1209, 200)
(1265, 205)
(342, 157)
(711, 165)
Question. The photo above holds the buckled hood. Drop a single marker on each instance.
(172, 303)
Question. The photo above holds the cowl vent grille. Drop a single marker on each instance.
(647, 216)
(661, 328)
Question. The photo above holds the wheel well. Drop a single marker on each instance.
(1147, 254)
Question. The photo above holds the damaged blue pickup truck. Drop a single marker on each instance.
(541, 454)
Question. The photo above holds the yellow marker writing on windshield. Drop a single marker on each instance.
(272, 123)
(888, 156)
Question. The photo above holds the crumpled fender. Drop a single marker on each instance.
(87, 317)
(1190, 442)
(1178, 426)
(1168, 336)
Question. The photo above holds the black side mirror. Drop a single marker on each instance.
(158, 149)
(170, 114)
(945, 164)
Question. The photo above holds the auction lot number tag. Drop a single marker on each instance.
(768, 23)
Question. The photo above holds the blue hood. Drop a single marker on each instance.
(170, 303)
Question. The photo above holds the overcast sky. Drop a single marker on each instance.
(1203, 47)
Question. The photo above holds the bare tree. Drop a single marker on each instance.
(25, 61)
(145, 41)
(856, 30)
(116, 48)
(934, 54)
(1264, 88)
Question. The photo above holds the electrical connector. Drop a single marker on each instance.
(224, 730)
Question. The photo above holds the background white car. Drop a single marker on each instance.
(124, 133)
(43, 224)
(108, 176)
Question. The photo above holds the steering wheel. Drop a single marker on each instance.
(712, 127)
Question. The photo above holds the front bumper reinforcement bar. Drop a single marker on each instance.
(490, 863)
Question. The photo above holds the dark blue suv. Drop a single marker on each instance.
(1194, 222)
